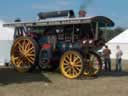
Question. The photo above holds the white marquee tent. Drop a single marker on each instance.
(6, 37)
(122, 41)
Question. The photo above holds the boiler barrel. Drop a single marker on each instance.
(64, 13)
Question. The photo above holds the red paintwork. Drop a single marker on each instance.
(46, 46)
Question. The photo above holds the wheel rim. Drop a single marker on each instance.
(71, 64)
(23, 54)
(93, 65)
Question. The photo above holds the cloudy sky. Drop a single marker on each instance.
(28, 9)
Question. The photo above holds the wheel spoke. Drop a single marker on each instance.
(14, 59)
(30, 60)
(67, 67)
(20, 45)
(30, 55)
(77, 61)
(66, 61)
(20, 49)
(74, 71)
(96, 68)
(71, 56)
(66, 64)
(92, 58)
(68, 58)
(78, 65)
(19, 63)
(24, 44)
(76, 58)
(78, 68)
(92, 71)
(30, 50)
(68, 71)
(27, 46)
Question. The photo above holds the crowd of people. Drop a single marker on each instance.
(107, 59)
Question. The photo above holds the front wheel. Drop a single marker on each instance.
(71, 64)
(93, 64)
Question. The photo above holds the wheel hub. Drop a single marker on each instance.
(72, 63)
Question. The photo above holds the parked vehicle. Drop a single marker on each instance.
(69, 43)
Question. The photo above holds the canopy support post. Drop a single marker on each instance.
(97, 30)
(73, 34)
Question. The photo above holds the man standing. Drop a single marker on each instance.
(107, 60)
(119, 53)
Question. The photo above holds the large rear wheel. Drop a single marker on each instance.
(71, 64)
(93, 65)
(24, 54)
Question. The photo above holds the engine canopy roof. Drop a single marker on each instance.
(101, 20)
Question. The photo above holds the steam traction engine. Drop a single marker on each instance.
(67, 42)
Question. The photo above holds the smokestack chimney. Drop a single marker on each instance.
(82, 13)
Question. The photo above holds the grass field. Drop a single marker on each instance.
(13, 83)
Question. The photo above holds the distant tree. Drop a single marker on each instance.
(111, 33)
(118, 30)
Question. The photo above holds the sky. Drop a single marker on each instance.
(28, 9)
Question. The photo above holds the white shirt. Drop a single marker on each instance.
(119, 53)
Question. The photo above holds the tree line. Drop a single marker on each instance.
(108, 34)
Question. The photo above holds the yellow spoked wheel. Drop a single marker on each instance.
(24, 53)
(71, 64)
(93, 65)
